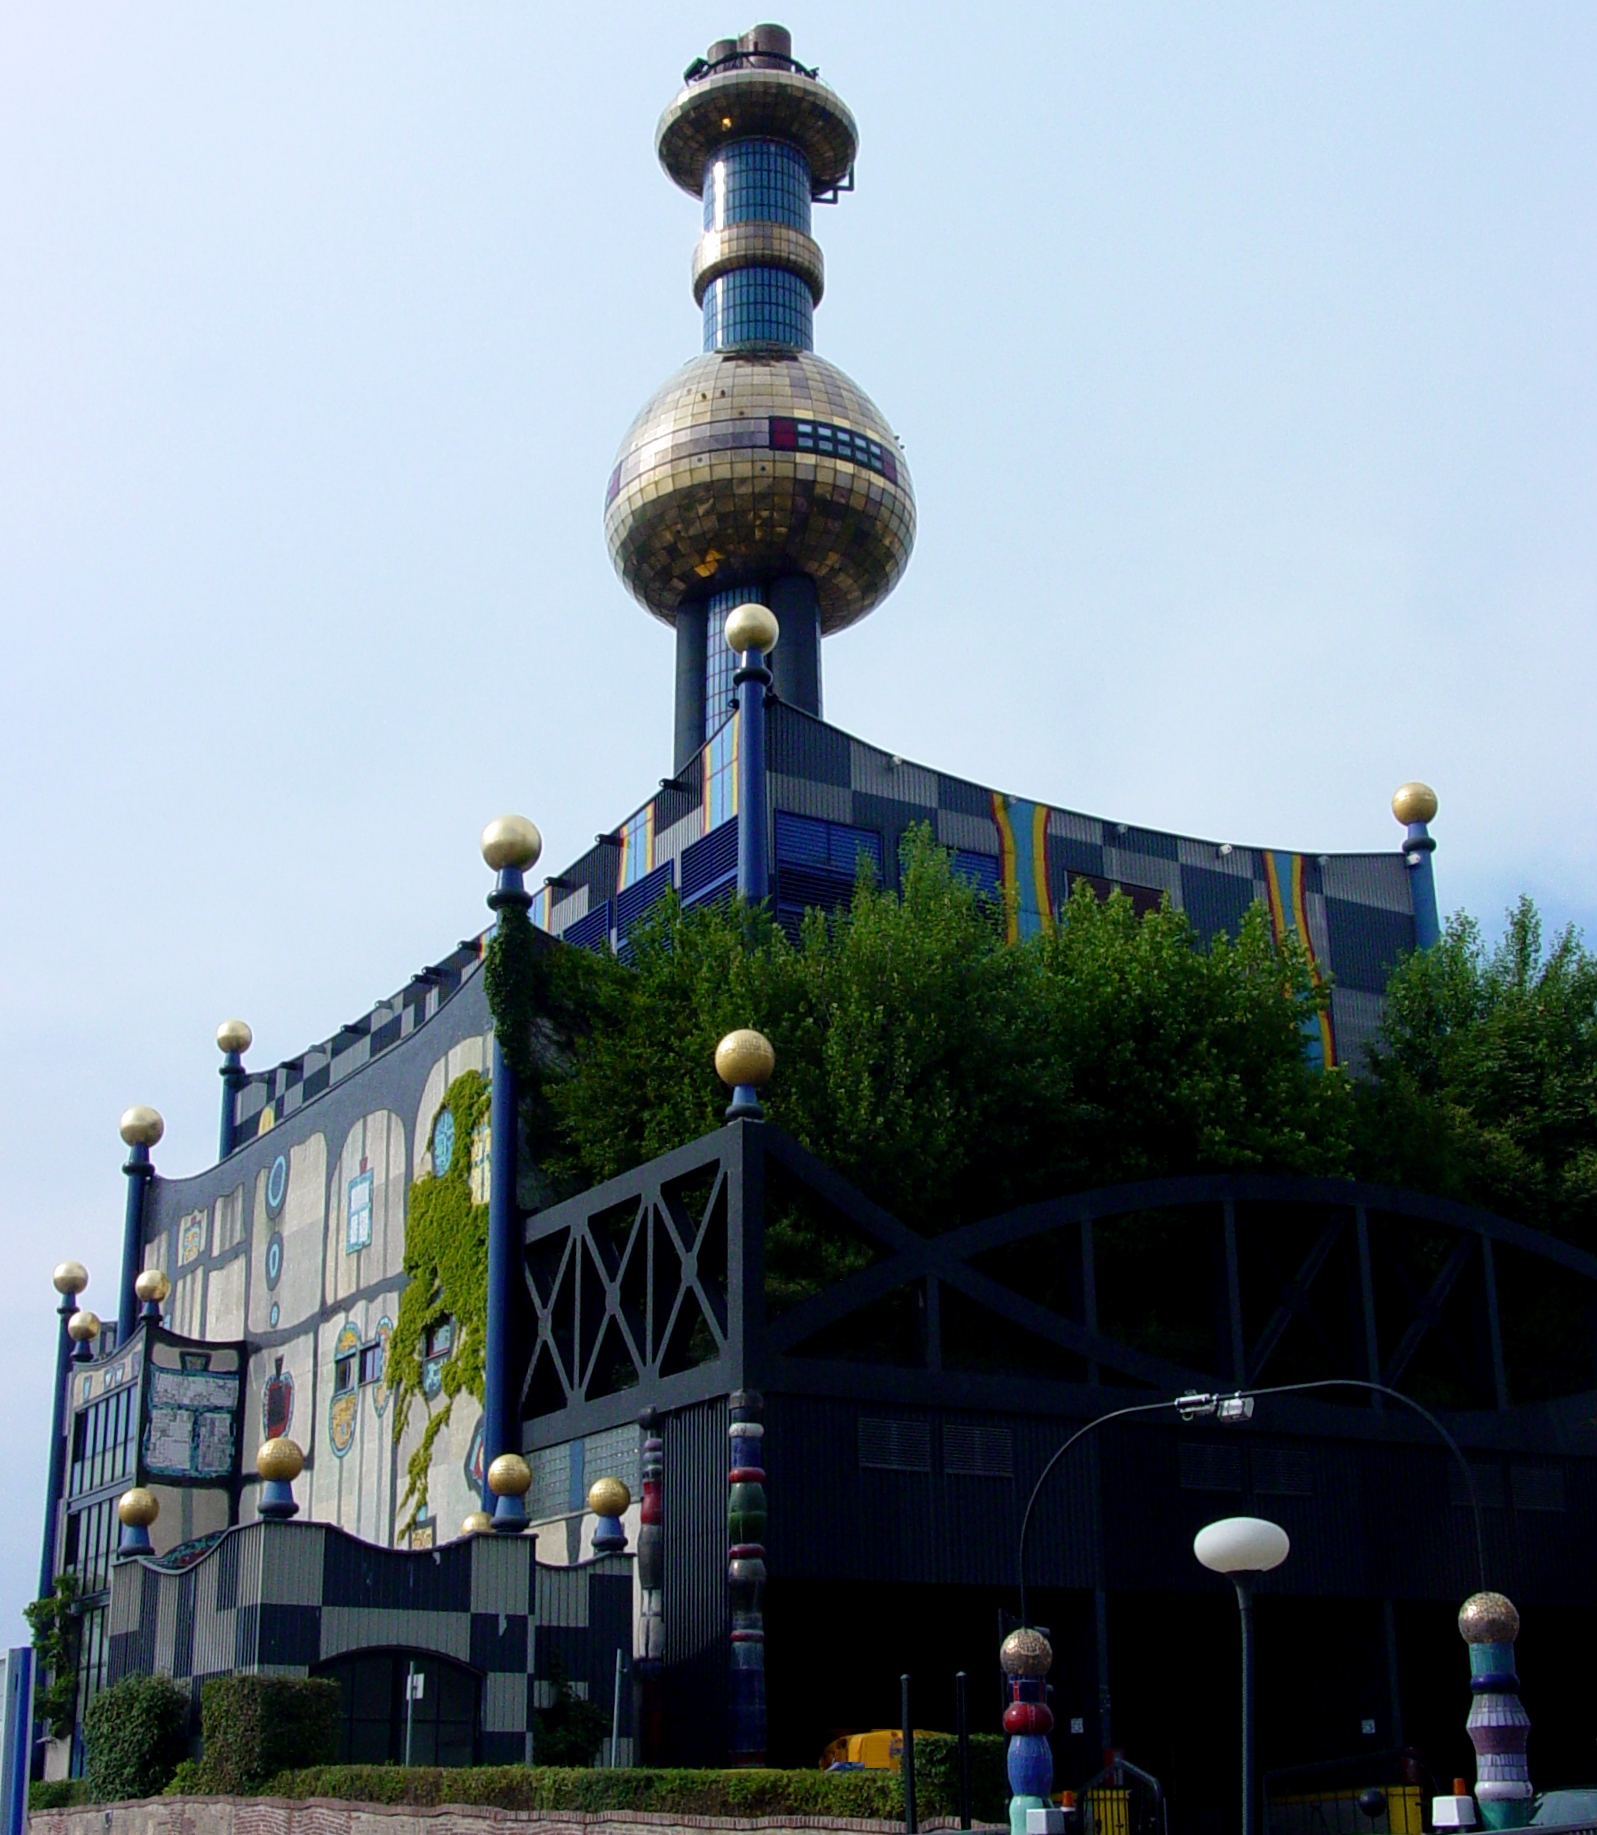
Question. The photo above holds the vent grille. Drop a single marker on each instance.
(1211, 1467)
(895, 1446)
(1282, 1472)
(978, 1452)
(1539, 1487)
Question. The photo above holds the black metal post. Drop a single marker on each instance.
(962, 1726)
(1250, 1806)
(907, 1762)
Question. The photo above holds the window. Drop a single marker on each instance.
(978, 1452)
(344, 1373)
(358, 1225)
(371, 1362)
(757, 181)
(437, 1343)
(759, 306)
(831, 442)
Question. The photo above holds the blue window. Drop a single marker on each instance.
(759, 306)
(757, 181)
(984, 871)
(831, 847)
(720, 665)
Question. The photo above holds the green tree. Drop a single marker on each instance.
(1483, 1083)
(945, 1072)
(55, 1624)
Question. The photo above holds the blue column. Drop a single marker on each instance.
(58, 1449)
(1417, 851)
(752, 680)
(499, 1426)
(233, 1039)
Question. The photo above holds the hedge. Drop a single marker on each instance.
(871, 1795)
(134, 1735)
(254, 1726)
(57, 1794)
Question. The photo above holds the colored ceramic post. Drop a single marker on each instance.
(746, 1577)
(233, 1039)
(649, 1665)
(1026, 1657)
(136, 1510)
(609, 1500)
(751, 632)
(510, 845)
(69, 1280)
(1415, 806)
(1499, 1727)
(141, 1129)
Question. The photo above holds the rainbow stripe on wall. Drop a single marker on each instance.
(1023, 865)
(1283, 878)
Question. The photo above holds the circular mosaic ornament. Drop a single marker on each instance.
(277, 1185)
(274, 1261)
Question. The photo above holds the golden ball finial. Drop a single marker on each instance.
(510, 1476)
(138, 1508)
(511, 841)
(1414, 802)
(69, 1277)
(745, 1057)
(83, 1327)
(234, 1035)
(752, 627)
(152, 1284)
(142, 1126)
(1488, 1618)
(476, 1523)
(1026, 1652)
(608, 1497)
(280, 1459)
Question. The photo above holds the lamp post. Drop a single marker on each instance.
(510, 845)
(141, 1129)
(1241, 1547)
(69, 1280)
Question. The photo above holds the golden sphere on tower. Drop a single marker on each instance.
(142, 1126)
(608, 1497)
(477, 1523)
(1414, 802)
(280, 1459)
(1488, 1618)
(152, 1284)
(138, 1508)
(510, 1476)
(69, 1277)
(745, 1057)
(511, 841)
(234, 1035)
(752, 627)
(83, 1326)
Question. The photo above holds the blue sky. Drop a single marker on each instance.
(1243, 356)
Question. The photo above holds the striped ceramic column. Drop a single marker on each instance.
(1026, 1657)
(650, 1663)
(746, 1578)
(1498, 1726)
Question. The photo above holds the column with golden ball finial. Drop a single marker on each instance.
(279, 1462)
(233, 1039)
(1415, 807)
(141, 1129)
(609, 1499)
(69, 1280)
(136, 1510)
(1499, 1727)
(1026, 1657)
(744, 1061)
(152, 1288)
(509, 1481)
(510, 845)
(751, 634)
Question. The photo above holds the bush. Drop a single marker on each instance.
(56, 1794)
(937, 1776)
(135, 1734)
(192, 1779)
(255, 1726)
(869, 1795)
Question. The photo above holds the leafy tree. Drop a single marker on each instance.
(55, 1625)
(1484, 1081)
(569, 1731)
(947, 1073)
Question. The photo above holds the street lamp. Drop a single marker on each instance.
(1240, 1547)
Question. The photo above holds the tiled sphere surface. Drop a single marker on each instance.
(1488, 1618)
(701, 500)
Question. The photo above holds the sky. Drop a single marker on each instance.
(1243, 356)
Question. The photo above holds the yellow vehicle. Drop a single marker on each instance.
(880, 1750)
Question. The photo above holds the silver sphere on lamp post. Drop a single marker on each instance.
(1240, 1547)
